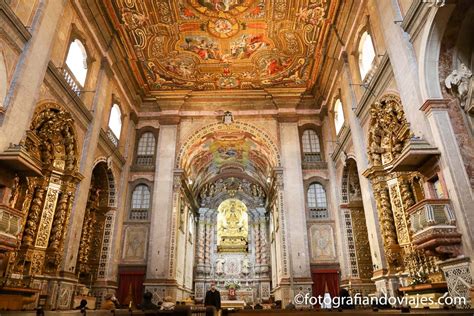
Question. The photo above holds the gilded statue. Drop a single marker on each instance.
(232, 225)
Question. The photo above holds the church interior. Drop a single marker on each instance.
(270, 148)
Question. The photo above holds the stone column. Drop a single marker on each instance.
(159, 271)
(294, 209)
(73, 234)
(22, 96)
(360, 151)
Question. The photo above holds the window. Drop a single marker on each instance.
(311, 147)
(317, 203)
(76, 61)
(146, 149)
(366, 54)
(140, 202)
(338, 116)
(115, 123)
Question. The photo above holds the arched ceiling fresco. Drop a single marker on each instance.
(228, 150)
(222, 44)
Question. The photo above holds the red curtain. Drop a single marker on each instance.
(323, 279)
(130, 282)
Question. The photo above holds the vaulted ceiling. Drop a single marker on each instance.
(222, 44)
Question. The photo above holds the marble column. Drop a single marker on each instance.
(73, 234)
(158, 268)
(294, 208)
(28, 77)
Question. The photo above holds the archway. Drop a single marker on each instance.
(91, 249)
(229, 169)
(358, 274)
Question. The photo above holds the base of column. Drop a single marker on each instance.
(386, 284)
(287, 292)
(168, 287)
(459, 277)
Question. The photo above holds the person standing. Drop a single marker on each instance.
(213, 297)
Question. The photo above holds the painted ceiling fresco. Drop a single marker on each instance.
(222, 44)
(227, 149)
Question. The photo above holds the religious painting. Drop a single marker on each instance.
(246, 45)
(135, 243)
(202, 46)
(184, 43)
(220, 5)
(322, 242)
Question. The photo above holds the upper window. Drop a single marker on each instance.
(366, 54)
(146, 149)
(115, 120)
(76, 61)
(140, 202)
(317, 203)
(311, 147)
(338, 115)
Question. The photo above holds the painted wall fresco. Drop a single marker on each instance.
(221, 44)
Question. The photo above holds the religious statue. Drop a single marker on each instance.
(245, 266)
(220, 262)
(457, 83)
(232, 225)
(15, 191)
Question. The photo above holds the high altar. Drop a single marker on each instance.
(232, 241)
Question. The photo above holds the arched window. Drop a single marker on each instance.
(338, 115)
(316, 199)
(76, 61)
(115, 123)
(146, 149)
(366, 54)
(140, 203)
(311, 147)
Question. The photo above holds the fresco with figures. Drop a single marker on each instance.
(222, 44)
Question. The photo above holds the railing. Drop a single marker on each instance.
(312, 157)
(112, 137)
(10, 226)
(144, 160)
(139, 214)
(318, 213)
(71, 80)
(431, 213)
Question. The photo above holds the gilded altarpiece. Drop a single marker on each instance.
(45, 202)
(395, 193)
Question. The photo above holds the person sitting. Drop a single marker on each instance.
(168, 304)
(258, 305)
(108, 302)
(248, 305)
(147, 303)
(82, 305)
(290, 305)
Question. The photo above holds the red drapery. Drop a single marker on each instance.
(130, 281)
(323, 278)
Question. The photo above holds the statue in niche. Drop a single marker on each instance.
(457, 83)
(15, 191)
(245, 266)
(232, 226)
(220, 262)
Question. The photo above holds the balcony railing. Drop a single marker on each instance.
(71, 80)
(318, 213)
(10, 226)
(434, 228)
(430, 213)
(144, 160)
(312, 157)
(139, 214)
(112, 137)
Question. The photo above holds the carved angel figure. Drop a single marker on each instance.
(457, 83)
